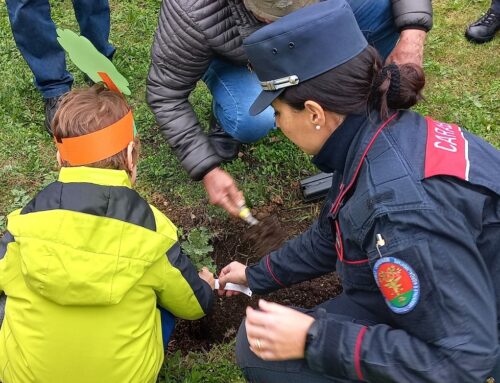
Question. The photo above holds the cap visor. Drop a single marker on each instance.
(263, 100)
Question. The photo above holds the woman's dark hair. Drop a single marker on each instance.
(361, 85)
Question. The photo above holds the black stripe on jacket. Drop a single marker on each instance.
(118, 202)
(201, 289)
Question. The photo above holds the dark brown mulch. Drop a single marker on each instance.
(236, 241)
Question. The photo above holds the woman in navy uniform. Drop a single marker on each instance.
(411, 223)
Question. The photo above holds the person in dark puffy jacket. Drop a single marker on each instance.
(411, 223)
(203, 40)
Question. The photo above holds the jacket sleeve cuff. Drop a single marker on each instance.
(200, 171)
(419, 27)
(260, 277)
(206, 171)
(336, 350)
(412, 12)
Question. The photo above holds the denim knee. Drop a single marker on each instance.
(252, 128)
(234, 89)
(376, 21)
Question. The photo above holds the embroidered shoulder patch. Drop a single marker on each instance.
(398, 283)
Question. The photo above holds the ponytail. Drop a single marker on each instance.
(396, 87)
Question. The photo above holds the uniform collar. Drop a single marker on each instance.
(98, 176)
(332, 156)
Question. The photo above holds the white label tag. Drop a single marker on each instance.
(234, 287)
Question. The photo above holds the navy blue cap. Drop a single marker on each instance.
(300, 46)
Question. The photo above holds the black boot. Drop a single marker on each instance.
(51, 105)
(225, 146)
(484, 29)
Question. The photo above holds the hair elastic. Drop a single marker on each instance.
(395, 82)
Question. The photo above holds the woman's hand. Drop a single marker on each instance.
(234, 273)
(222, 191)
(207, 276)
(277, 332)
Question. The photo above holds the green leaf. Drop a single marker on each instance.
(197, 248)
(86, 57)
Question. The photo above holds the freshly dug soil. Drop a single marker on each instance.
(266, 236)
(236, 241)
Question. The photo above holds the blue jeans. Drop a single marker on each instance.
(167, 325)
(35, 36)
(234, 88)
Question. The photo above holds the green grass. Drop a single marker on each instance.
(216, 366)
(463, 86)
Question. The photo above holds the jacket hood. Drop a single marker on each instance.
(76, 258)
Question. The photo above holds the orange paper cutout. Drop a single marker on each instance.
(99, 145)
(109, 83)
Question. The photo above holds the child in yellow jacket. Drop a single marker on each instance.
(85, 264)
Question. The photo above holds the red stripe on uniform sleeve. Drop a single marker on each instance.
(268, 264)
(357, 353)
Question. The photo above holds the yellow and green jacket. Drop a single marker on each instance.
(83, 267)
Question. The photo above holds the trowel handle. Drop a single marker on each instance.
(247, 216)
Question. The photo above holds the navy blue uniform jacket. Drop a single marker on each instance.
(432, 192)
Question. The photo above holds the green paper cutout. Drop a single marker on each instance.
(89, 60)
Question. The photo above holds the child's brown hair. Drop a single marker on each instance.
(84, 111)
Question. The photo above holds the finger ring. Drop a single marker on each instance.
(257, 342)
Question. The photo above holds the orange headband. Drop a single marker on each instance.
(99, 145)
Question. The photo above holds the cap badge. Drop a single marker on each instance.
(280, 83)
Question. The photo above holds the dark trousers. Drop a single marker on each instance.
(35, 36)
(296, 371)
(495, 5)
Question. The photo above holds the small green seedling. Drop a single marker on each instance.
(196, 245)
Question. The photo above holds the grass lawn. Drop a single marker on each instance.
(463, 86)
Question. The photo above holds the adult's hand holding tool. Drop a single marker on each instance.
(222, 191)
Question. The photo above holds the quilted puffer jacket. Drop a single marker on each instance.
(189, 34)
